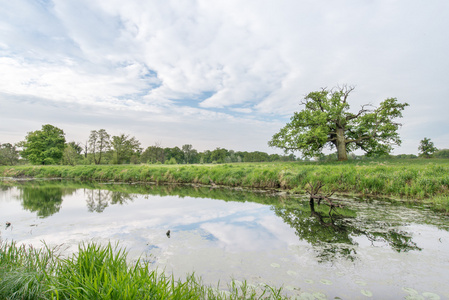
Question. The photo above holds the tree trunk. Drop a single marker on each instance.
(341, 145)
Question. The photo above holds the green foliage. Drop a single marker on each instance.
(45, 146)
(99, 143)
(155, 154)
(442, 153)
(9, 155)
(171, 161)
(101, 272)
(412, 179)
(124, 148)
(71, 155)
(327, 121)
(426, 148)
(190, 154)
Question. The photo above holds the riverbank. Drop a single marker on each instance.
(418, 180)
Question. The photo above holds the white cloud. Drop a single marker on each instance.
(193, 62)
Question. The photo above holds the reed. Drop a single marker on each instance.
(103, 272)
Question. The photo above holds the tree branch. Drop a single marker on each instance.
(361, 111)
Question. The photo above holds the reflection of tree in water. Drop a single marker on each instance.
(121, 198)
(45, 201)
(98, 200)
(332, 235)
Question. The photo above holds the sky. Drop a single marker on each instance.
(217, 73)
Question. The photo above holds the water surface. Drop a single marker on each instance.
(371, 248)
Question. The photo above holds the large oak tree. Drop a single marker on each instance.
(327, 121)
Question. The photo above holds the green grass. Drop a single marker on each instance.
(102, 272)
(424, 180)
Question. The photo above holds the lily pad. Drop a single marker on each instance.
(309, 281)
(319, 296)
(410, 291)
(366, 293)
(292, 273)
(361, 282)
(307, 296)
(431, 296)
(326, 282)
(414, 297)
(289, 287)
(275, 265)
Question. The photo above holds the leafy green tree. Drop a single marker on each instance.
(327, 121)
(187, 149)
(442, 153)
(426, 148)
(76, 146)
(124, 148)
(175, 153)
(219, 155)
(45, 146)
(153, 154)
(99, 143)
(205, 157)
(70, 156)
(171, 161)
(9, 155)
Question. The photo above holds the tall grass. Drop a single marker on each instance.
(102, 272)
(416, 179)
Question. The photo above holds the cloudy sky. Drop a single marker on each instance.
(216, 73)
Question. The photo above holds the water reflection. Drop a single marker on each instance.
(223, 233)
(97, 200)
(334, 235)
(45, 201)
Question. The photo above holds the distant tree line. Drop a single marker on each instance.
(426, 149)
(48, 146)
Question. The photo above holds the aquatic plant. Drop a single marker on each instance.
(103, 272)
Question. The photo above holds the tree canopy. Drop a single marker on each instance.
(426, 148)
(99, 143)
(45, 146)
(8, 154)
(326, 120)
(124, 147)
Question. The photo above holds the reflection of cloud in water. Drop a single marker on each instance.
(279, 228)
(239, 237)
(251, 233)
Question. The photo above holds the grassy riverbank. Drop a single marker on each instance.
(424, 180)
(102, 272)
